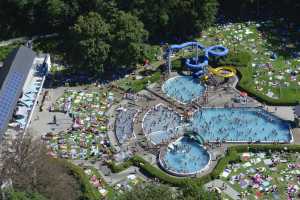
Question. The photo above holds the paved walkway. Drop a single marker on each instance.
(284, 112)
(25, 39)
(227, 190)
(111, 123)
(41, 122)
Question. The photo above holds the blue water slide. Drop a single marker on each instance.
(198, 73)
(186, 44)
(193, 64)
(217, 50)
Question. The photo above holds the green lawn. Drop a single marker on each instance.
(137, 85)
(281, 171)
(257, 80)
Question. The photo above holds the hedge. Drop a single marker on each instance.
(156, 172)
(116, 168)
(232, 155)
(88, 191)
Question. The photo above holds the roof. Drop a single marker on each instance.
(12, 79)
(297, 110)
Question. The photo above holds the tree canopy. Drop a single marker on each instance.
(33, 174)
(191, 191)
(101, 35)
(90, 37)
(128, 39)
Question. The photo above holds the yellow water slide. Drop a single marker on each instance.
(224, 71)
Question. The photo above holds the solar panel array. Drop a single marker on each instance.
(8, 97)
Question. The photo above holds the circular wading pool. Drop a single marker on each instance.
(184, 157)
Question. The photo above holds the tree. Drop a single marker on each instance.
(129, 36)
(193, 191)
(55, 10)
(172, 19)
(153, 13)
(149, 192)
(90, 46)
(25, 162)
(190, 191)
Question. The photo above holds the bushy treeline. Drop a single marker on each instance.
(100, 35)
(260, 9)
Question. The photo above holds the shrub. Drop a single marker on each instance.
(88, 191)
(151, 52)
(116, 168)
(156, 172)
(178, 64)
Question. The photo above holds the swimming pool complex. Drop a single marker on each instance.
(184, 157)
(240, 125)
(183, 89)
(187, 156)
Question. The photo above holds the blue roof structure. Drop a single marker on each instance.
(12, 79)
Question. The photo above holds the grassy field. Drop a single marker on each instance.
(279, 175)
(137, 85)
(274, 84)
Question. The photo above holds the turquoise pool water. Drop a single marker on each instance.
(183, 88)
(240, 124)
(185, 156)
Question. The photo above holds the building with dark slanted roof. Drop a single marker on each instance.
(21, 79)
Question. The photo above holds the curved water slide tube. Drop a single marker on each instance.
(194, 64)
(186, 44)
(197, 66)
(225, 71)
(217, 50)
